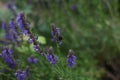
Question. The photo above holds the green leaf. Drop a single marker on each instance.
(42, 39)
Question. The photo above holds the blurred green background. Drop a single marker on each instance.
(90, 27)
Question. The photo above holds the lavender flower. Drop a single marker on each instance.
(22, 23)
(10, 31)
(71, 58)
(21, 75)
(25, 30)
(8, 58)
(32, 59)
(56, 35)
(50, 57)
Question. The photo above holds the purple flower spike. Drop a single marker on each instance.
(32, 59)
(71, 59)
(10, 31)
(8, 58)
(22, 23)
(20, 20)
(50, 57)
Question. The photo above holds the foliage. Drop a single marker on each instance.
(91, 29)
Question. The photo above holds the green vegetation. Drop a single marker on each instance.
(91, 29)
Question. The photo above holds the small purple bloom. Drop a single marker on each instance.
(31, 40)
(36, 47)
(71, 58)
(21, 75)
(50, 57)
(32, 59)
(25, 32)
